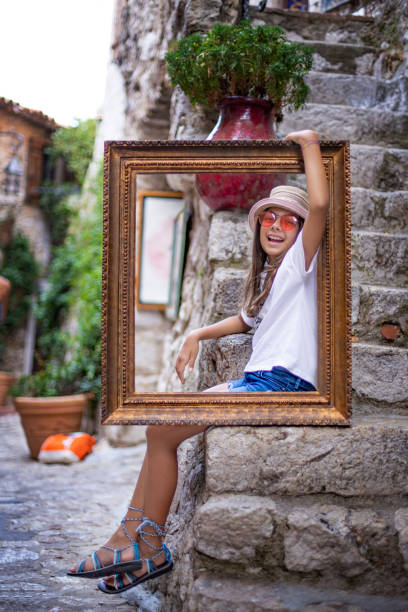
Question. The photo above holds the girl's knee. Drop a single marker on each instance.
(159, 434)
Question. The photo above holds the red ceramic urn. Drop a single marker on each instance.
(240, 119)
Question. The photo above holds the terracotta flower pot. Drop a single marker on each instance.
(6, 380)
(43, 416)
(240, 119)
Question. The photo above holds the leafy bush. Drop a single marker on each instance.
(21, 269)
(70, 361)
(239, 60)
(55, 203)
(75, 145)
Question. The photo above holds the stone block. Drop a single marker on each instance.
(319, 26)
(217, 594)
(200, 16)
(371, 458)
(379, 258)
(379, 168)
(359, 125)
(318, 538)
(125, 435)
(377, 306)
(186, 123)
(213, 593)
(342, 58)
(223, 359)
(393, 171)
(382, 211)
(232, 528)
(380, 375)
(401, 525)
(230, 239)
(226, 294)
(326, 88)
(362, 91)
(332, 606)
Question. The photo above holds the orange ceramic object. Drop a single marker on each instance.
(62, 448)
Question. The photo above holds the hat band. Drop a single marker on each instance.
(288, 204)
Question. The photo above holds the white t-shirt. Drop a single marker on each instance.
(286, 326)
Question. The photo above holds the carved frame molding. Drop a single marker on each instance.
(121, 404)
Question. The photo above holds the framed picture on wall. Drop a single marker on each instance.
(157, 212)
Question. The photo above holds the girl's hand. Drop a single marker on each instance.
(187, 355)
(303, 137)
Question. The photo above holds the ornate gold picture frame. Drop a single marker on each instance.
(121, 403)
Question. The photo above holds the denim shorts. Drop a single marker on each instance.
(277, 379)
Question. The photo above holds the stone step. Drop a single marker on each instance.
(381, 168)
(366, 460)
(381, 211)
(342, 58)
(211, 593)
(319, 26)
(379, 258)
(380, 380)
(304, 510)
(378, 168)
(362, 126)
(357, 90)
(375, 306)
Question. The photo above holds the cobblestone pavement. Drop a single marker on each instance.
(51, 516)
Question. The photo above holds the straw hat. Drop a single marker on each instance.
(291, 198)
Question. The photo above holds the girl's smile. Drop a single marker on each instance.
(274, 240)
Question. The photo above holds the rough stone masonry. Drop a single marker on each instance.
(281, 518)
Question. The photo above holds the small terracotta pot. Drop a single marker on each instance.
(44, 416)
(6, 380)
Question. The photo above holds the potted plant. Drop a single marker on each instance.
(49, 403)
(250, 74)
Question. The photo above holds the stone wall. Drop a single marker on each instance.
(281, 518)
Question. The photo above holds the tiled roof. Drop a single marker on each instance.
(33, 116)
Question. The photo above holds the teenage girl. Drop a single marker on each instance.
(280, 303)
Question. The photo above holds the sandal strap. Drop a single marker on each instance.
(125, 520)
(96, 563)
(136, 509)
(159, 532)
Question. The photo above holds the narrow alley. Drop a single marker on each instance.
(51, 516)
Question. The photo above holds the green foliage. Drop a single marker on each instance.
(75, 144)
(70, 362)
(239, 60)
(55, 203)
(21, 269)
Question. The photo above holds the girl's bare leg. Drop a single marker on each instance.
(154, 489)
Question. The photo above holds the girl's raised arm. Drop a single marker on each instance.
(318, 191)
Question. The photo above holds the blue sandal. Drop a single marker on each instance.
(153, 570)
(117, 565)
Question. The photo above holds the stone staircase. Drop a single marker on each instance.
(314, 519)
(350, 99)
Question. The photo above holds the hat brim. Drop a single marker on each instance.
(261, 205)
